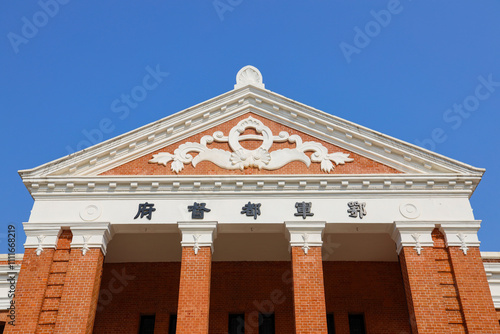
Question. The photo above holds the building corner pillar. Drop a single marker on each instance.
(472, 285)
(414, 245)
(307, 269)
(194, 287)
(80, 291)
(33, 277)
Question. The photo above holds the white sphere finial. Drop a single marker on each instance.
(249, 75)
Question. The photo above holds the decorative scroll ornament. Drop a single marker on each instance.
(418, 246)
(261, 158)
(463, 247)
(196, 246)
(306, 247)
(85, 247)
(39, 249)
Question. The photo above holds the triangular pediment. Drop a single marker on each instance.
(371, 152)
(251, 144)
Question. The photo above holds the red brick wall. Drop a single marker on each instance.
(131, 289)
(30, 290)
(309, 292)
(140, 166)
(425, 303)
(194, 291)
(80, 292)
(374, 288)
(474, 291)
(250, 288)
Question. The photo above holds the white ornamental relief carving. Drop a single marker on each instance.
(241, 158)
(39, 249)
(463, 246)
(418, 246)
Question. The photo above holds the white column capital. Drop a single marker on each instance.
(198, 234)
(41, 236)
(305, 234)
(461, 234)
(91, 235)
(416, 234)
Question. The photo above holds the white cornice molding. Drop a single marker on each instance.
(91, 235)
(305, 234)
(41, 236)
(461, 234)
(415, 234)
(116, 186)
(198, 234)
(382, 148)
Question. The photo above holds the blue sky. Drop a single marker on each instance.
(403, 68)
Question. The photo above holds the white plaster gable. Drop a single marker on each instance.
(250, 95)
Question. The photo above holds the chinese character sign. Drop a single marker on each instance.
(251, 209)
(303, 209)
(356, 209)
(198, 210)
(145, 209)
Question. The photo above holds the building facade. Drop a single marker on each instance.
(254, 213)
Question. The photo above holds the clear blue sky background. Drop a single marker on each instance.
(62, 79)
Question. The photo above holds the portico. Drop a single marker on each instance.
(253, 210)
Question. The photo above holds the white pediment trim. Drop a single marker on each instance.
(384, 149)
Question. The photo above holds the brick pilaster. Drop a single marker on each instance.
(194, 291)
(30, 290)
(308, 291)
(474, 291)
(80, 293)
(423, 294)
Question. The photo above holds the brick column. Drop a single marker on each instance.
(308, 285)
(420, 275)
(32, 281)
(83, 277)
(194, 286)
(472, 285)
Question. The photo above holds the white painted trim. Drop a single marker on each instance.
(492, 270)
(416, 234)
(198, 234)
(92, 186)
(41, 236)
(461, 234)
(5, 257)
(91, 235)
(305, 234)
(490, 255)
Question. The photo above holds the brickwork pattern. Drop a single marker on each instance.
(140, 166)
(80, 292)
(55, 284)
(374, 289)
(129, 290)
(448, 284)
(30, 290)
(474, 291)
(251, 288)
(423, 293)
(309, 291)
(194, 291)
